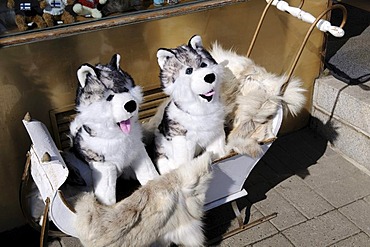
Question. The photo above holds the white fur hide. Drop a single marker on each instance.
(166, 209)
(253, 97)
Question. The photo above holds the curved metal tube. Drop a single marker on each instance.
(299, 53)
(258, 28)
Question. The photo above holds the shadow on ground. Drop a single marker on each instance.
(289, 155)
(24, 236)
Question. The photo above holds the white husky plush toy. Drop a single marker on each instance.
(168, 209)
(253, 97)
(106, 132)
(192, 120)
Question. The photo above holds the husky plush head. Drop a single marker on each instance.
(108, 94)
(189, 73)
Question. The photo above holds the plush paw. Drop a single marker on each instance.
(77, 8)
(104, 177)
(163, 166)
(96, 13)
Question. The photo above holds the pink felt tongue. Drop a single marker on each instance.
(210, 93)
(125, 126)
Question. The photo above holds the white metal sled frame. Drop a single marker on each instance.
(230, 173)
(49, 170)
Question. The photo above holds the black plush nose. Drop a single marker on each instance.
(210, 78)
(130, 106)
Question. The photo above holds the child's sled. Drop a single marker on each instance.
(49, 171)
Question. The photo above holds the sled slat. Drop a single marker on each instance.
(153, 95)
(146, 114)
(62, 127)
(150, 105)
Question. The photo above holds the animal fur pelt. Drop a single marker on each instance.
(106, 132)
(253, 96)
(168, 209)
(193, 117)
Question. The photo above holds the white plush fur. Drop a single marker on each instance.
(193, 122)
(85, 10)
(106, 147)
(166, 209)
(253, 97)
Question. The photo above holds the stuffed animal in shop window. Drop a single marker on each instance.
(27, 12)
(88, 7)
(54, 10)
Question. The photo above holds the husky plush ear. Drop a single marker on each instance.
(196, 42)
(163, 55)
(83, 72)
(115, 61)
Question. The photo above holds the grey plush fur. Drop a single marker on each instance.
(168, 209)
(118, 6)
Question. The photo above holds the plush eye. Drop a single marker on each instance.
(110, 97)
(189, 71)
(203, 65)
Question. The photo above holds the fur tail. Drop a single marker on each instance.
(294, 99)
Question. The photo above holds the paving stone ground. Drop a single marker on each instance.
(321, 198)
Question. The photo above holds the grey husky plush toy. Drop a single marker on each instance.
(106, 132)
(192, 120)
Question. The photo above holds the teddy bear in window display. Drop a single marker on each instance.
(54, 10)
(27, 12)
